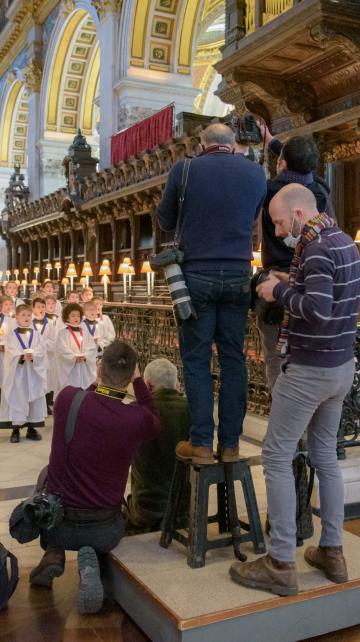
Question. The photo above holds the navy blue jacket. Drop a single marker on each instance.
(224, 194)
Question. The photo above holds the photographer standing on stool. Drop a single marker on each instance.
(224, 194)
(321, 296)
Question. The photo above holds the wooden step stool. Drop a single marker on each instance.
(201, 478)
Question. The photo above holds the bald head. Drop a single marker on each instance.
(218, 134)
(291, 208)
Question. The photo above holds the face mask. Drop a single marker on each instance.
(290, 240)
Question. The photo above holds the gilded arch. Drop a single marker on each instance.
(14, 126)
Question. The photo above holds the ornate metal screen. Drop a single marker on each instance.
(151, 329)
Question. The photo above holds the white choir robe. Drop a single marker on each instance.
(24, 385)
(105, 331)
(48, 336)
(7, 323)
(68, 371)
(58, 308)
(17, 301)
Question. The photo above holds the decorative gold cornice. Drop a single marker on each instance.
(13, 36)
(67, 7)
(343, 151)
(33, 76)
(104, 7)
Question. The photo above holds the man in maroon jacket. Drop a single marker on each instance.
(90, 474)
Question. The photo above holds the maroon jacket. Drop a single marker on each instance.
(107, 436)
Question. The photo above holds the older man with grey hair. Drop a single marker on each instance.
(223, 195)
(152, 470)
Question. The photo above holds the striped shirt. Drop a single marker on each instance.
(324, 303)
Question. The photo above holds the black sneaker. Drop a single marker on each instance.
(15, 436)
(33, 434)
(90, 597)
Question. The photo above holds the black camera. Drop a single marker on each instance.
(268, 313)
(246, 130)
(170, 260)
(45, 511)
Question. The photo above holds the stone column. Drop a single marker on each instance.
(32, 78)
(109, 14)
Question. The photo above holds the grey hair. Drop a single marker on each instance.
(218, 134)
(161, 373)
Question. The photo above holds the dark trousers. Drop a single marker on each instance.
(84, 528)
(221, 299)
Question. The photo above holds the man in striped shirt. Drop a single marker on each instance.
(322, 298)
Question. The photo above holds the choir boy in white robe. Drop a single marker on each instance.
(87, 294)
(11, 289)
(48, 289)
(6, 322)
(89, 325)
(105, 329)
(75, 352)
(47, 332)
(73, 297)
(24, 385)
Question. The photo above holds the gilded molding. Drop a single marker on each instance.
(343, 151)
(33, 76)
(103, 7)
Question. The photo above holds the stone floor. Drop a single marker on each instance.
(40, 615)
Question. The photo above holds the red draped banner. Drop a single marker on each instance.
(147, 133)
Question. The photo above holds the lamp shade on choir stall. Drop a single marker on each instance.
(86, 272)
(357, 237)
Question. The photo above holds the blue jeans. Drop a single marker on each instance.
(221, 299)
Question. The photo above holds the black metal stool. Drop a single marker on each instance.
(201, 478)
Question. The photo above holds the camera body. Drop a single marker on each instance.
(45, 511)
(170, 260)
(246, 130)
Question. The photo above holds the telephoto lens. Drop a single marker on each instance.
(183, 308)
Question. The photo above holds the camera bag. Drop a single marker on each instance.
(9, 575)
(20, 527)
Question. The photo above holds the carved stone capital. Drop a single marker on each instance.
(33, 76)
(67, 7)
(103, 7)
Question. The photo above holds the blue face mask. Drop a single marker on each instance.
(290, 240)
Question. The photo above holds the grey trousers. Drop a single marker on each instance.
(269, 338)
(305, 397)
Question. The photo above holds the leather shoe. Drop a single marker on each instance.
(51, 565)
(33, 434)
(329, 559)
(15, 436)
(266, 574)
(228, 455)
(197, 454)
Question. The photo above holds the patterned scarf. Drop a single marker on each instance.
(310, 232)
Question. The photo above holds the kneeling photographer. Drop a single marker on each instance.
(94, 442)
(218, 200)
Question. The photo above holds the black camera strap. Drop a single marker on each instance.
(72, 416)
(180, 219)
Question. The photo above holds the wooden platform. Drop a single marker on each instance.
(173, 603)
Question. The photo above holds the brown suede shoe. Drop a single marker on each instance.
(51, 565)
(267, 574)
(329, 559)
(197, 454)
(227, 455)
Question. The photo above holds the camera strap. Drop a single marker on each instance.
(180, 219)
(72, 416)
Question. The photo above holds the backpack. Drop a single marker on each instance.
(9, 575)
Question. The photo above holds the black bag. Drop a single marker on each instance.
(9, 575)
(304, 486)
(21, 527)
